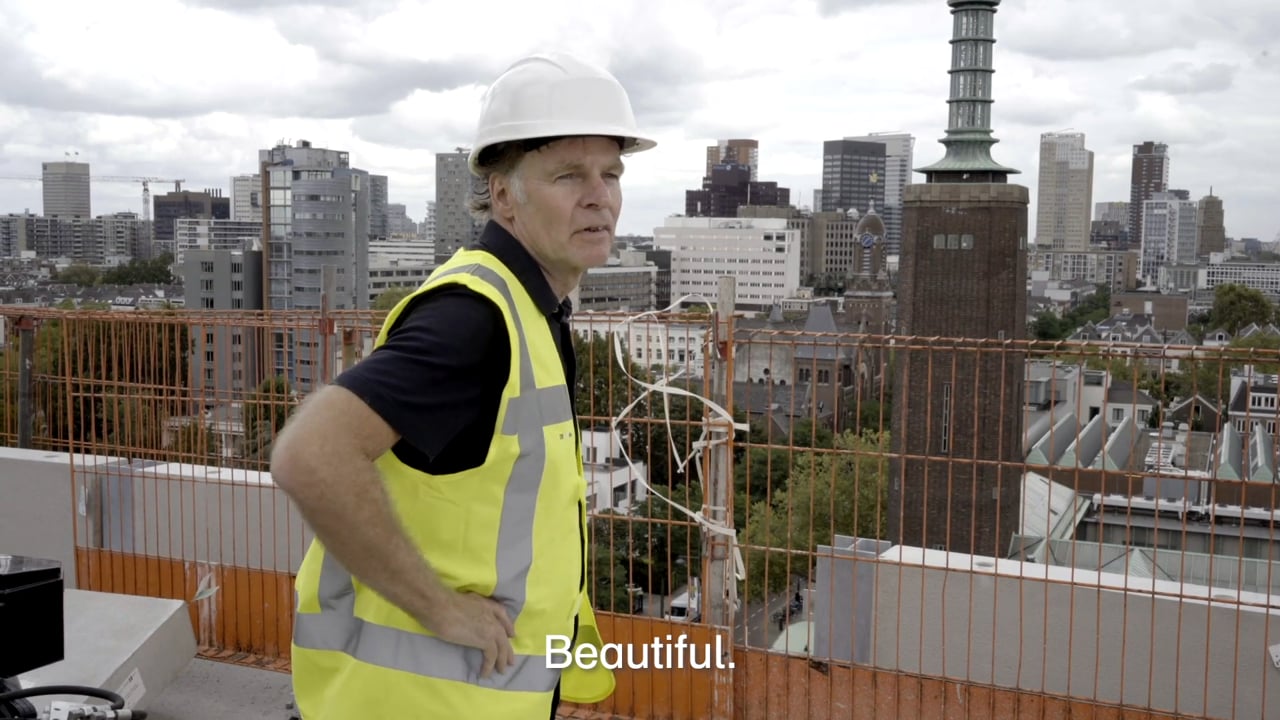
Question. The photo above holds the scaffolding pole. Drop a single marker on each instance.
(721, 584)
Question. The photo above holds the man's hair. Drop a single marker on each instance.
(502, 159)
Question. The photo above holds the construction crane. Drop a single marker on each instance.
(146, 186)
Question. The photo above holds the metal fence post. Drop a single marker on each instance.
(26, 380)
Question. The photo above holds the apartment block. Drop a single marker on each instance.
(184, 204)
(246, 198)
(1169, 232)
(227, 359)
(191, 233)
(1117, 269)
(455, 227)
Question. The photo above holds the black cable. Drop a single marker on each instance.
(117, 702)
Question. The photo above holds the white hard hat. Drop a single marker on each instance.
(554, 95)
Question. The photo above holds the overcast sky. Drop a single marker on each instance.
(194, 89)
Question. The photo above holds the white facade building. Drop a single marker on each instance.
(390, 272)
(402, 249)
(1168, 233)
(762, 253)
(1263, 277)
(612, 483)
(667, 346)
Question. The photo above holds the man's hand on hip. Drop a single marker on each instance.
(479, 622)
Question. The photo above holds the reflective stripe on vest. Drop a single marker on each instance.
(336, 627)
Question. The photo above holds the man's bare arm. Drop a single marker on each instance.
(324, 460)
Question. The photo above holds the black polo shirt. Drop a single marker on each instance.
(438, 378)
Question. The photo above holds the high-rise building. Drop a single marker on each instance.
(853, 176)
(899, 151)
(66, 189)
(456, 228)
(1211, 231)
(1117, 212)
(730, 187)
(957, 431)
(318, 249)
(1150, 175)
(1065, 195)
(378, 207)
(735, 152)
(1169, 229)
(184, 204)
(246, 198)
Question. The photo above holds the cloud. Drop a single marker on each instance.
(256, 7)
(425, 119)
(831, 8)
(1093, 30)
(1185, 79)
(195, 88)
(662, 85)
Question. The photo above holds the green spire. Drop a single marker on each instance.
(968, 139)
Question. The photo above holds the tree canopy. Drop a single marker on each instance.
(155, 271)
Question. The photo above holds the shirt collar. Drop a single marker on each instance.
(507, 249)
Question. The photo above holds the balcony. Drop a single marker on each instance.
(144, 479)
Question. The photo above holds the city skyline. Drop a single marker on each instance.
(380, 80)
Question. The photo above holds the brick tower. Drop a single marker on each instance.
(958, 399)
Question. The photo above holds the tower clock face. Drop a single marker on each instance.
(868, 240)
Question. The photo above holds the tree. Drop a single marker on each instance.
(79, 274)
(264, 413)
(196, 442)
(1237, 306)
(1209, 373)
(665, 543)
(142, 272)
(1048, 326)
(97, 374)
(827, 493)
(763, 466)
(610, 586)
(389, 298)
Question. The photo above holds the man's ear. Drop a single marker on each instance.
(502, 196)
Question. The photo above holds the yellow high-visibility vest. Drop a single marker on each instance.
(514, 529)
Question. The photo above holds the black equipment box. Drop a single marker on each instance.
(31, 634)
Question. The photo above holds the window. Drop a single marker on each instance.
(939, 242)
(1117, 415)
(966, 242)
(824, 377)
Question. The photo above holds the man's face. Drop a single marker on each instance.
(571, 199)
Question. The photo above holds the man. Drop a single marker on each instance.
(443, 474)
